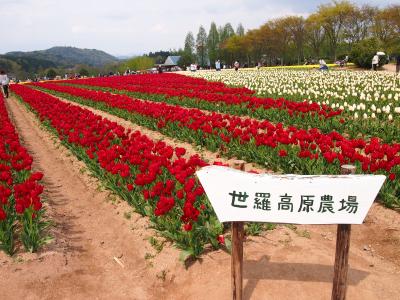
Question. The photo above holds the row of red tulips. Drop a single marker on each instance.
(304, 115)
(21, 211)
(174, 85)
(157, 179)
(290, 150)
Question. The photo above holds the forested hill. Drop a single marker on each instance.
(67, 56)
(57, 57)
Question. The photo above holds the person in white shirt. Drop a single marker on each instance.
(193, 68)
(236, 65)
(218, 65)
(4, 81)
(375, 62)
(322, 65)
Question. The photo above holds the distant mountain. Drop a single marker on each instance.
(27, 64)
(66, 56)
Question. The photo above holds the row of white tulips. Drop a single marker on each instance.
(361, 94)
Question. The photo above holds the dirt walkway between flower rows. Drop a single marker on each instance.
(286, 263)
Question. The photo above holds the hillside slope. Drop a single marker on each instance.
(21, 63)
(67, 56)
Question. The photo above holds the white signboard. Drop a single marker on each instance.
(241, 196)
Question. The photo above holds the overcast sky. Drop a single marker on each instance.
(123, 27)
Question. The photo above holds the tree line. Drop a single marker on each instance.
(332, 32)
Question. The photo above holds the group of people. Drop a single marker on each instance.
(4, 82)
(218, 65)
(342, 63)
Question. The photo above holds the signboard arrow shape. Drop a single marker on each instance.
(296, 199)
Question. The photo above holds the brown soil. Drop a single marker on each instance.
(101, 252)
(389, 68)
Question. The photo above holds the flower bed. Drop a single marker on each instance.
(381, 119)
(157, 179)
(360, 94)
(21, 211)
(173, 85)
(288, 150)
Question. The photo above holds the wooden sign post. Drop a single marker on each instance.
(237, 251)
(342, 252)
(239, 197)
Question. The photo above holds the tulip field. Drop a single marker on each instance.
(301, 122)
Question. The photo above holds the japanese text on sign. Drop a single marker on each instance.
(262, 201)
(241, 196)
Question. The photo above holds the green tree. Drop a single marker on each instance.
(296, 26)
(201, 46)
(358, 24)
(333, 18)
(240, 30)
(188, 52)
(226, 32)
(189, 47)
(83, 72)
(213, 43)
(138, 63)
(51, 73)
(315, 34)
(255, 46)
(386, 26)
(363, 51)
(330, 31)
(237, 49)
(281, 39)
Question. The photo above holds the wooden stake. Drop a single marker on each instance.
(342, 252)
(237, 251)
(237, 260)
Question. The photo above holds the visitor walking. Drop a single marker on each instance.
(218, 65)
(4, 82)
(193, 68)
(236, 65)
(398, 63)
(375, 62)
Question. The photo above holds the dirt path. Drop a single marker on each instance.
(286, 263)
(297, 263)
(390, 68)
(89, 232)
